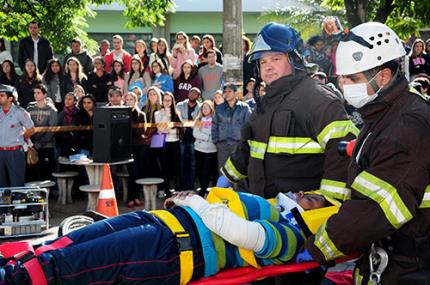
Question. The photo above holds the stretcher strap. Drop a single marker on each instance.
(59, 243)
(184, 242)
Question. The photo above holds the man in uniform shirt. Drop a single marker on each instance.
(15, 127)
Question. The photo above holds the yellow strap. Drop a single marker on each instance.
(232, 200)
(186, 254)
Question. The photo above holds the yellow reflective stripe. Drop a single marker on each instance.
(293, 145)
(426, 199)
(385, 195)
(232, 171)
(185, 256)
(325, 244)
(358, 279)
(335, 189)
(336, 130)
(257, 149)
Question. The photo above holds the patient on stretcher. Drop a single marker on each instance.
(195, 239)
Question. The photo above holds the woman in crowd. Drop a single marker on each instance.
(55, 81)
(218, 98)
(248, 67)
(161, 77)
(153, 47)
(419, 62)
(315, 53)
(186, 80)
(205, 149)
(181, 52)
(4, 53)
(118, 75)
(141, 50)
(79, 92)
(8, 75)
(208, 42)
(99, 81)
(85, 118)
(135, 74)
(136, 169)
(428, 47)
(67, 142)
(162, 54)
(26, 82)
(74, 72)
(170, 151)
(153, 104)
(44, 114)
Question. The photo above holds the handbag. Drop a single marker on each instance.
(158, 140)
(32, 156)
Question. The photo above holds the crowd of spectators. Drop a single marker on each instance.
(159, 84)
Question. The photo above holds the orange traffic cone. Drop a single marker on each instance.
(106, 204)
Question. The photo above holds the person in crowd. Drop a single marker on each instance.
(427, 49)
(34, 47)
(170, 152)
(248, 67)
(68, 142)
(8, 75)
(74, 73)
(81, 55)
(195, 43)
(208, 42)
(218, 98)
(4, 53)
(314, 53)
(261, 89)
(16, 127)
(99, 81)
(181, 52)
(419, 61)
(424, 83)
(136, 74)
(136, 169)
(186, 80)
(189, 110)
(211, 75)
(204, 148)
(115, 97)
(85, 118)
(136, 88)
(161, 78)
(153, 104)
(44, 114)
(141, 50)
(227, 122)
(79, 92)
(249, 87)
(117, 53)
(163, 54)
(56, 83)
(153, 44)
(26, 82)
(118, 75)
(104, 46)
(142, 247)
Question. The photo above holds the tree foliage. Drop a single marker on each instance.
(62, 20)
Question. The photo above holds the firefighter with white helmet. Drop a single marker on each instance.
(387, 219)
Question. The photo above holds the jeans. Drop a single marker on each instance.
(187, 167)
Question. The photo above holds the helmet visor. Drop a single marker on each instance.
(258, 48)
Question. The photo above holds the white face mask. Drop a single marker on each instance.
(356, 94)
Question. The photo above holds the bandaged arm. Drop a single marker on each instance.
(222, 221)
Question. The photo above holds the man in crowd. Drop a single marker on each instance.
(389, 210)
(117, 53)
(103, 48)
(115, 97)
(15, 127)
(34, 47)
(82, 55)
(229, 119)
(211, 76)
(189, 109)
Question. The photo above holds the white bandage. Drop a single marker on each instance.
(222, 221)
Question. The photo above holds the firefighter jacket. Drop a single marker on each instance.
(292, 145)
(388, 177)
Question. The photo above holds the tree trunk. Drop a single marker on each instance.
(384, 11)
(232, 40)
(355, 13)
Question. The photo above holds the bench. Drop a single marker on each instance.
(65, 183)
(150, 191)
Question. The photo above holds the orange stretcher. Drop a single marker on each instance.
(249, 274)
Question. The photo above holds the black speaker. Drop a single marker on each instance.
(111, 134)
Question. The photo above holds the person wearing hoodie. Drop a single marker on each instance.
(44, 114)
(186, 80)
(82, 55)
(161, 77)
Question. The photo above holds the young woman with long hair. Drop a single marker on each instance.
(55, 80)
(141, 50)
(85, 118)
(118, 75)
(8, 75)
(208, 42)
(74, 72)
(161, 77)
(419, 61)
(26, 83)
(163, 54)
(181, 52)
(186, 80)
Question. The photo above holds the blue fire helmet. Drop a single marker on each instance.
(276, 38)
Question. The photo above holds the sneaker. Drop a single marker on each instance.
(130, 204)
(137, 202)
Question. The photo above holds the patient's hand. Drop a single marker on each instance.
(169, 203)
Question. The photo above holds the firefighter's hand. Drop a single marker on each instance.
(223, 182)
(304, 256)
